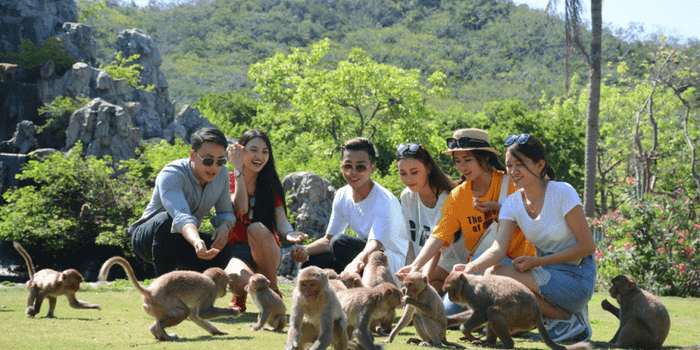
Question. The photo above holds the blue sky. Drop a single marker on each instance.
(678, 18)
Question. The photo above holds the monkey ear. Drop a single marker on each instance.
(388, 293)
(425, 279)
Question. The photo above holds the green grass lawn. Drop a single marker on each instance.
(122, 324)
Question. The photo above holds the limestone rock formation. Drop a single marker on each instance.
(23, 140)
(104, 129)
(311, 197)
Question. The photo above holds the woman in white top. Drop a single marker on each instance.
(550, 214)
(426, 189)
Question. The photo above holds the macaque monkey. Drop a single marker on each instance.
(316, 317)
(506, 304)
(177, 295)
(424, 306)
(362, 305)
(271, 306)
(377, 270)
(50, 284)
(375, 273)
(644, 320)
(351, 279)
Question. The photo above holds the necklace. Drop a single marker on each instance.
(534, 205)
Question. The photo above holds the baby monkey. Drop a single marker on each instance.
(178, 295)
(271, 306)
(51, 284)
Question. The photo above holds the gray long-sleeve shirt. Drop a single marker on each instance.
(178, 192)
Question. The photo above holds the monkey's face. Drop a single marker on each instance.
(621, 284)
(309, 288)
(453, 284)
(72, 279)
(413, 286)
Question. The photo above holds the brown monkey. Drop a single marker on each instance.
(375, 273)
(506, 304)
(424, 306)
(644, 320)
(377, 270)
(316, 317)
(271, 306)
(50, 284)
(362, 305)
(351, 279)
(177, 295)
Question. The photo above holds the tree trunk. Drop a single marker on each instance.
(593, 109)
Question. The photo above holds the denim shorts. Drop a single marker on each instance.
(570, 286)
(241, 251)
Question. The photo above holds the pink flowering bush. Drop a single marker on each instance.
(655, 240)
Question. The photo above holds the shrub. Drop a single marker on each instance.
(121, 68)
(655, 240)
(71, 203)
(32, 58)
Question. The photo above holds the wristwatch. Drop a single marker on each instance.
(237, 173)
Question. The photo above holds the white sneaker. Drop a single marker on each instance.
(560, 330)
(582, 317)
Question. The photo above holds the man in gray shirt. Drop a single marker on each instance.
(167, 234)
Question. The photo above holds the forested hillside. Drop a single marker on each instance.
(489, 49)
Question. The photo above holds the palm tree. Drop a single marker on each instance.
(572, 22)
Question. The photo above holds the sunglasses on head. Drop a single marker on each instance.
(360, 168)
(521, 139)
(466, 142)
(410, 147)
(210, 161)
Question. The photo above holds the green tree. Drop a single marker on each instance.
(315, 105)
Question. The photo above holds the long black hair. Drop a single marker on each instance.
(267, 185)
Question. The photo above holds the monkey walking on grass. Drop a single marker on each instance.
(178, 295)
(51, 284)
(506, 305)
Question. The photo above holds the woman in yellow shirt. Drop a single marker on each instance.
(472, 206)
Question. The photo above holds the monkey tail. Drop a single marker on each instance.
(545, 336)
(27, 258)
(129, 271)
(454, 345)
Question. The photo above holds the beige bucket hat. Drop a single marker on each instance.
(469, 140)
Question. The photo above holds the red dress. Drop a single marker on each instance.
(239, 232)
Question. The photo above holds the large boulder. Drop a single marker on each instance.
(192, 120)
(158, 111)
(311, 198)
(23, 141)
(104, 129)
(34, 20)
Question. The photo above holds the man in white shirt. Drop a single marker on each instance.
(370, 210)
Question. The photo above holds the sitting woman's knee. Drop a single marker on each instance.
(257, 232)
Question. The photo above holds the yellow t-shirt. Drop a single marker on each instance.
(458, 213)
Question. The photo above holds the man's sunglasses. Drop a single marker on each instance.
(210, 161)
(411, 147)
(466, 142)
(360, 168)
(521, 139)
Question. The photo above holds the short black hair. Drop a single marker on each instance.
(203, 135)
(360, 144)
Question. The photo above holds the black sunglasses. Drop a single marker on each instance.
(360, 168)
(210, 161)
(411, 147)
(521, 139)
(466, 142)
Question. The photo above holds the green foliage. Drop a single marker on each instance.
(72, 204)
(88, 8)
(231, 112)
(30, 57)
(314, 105)
(59, 109)
(124, 68)
(150, 159)
(656, 239)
